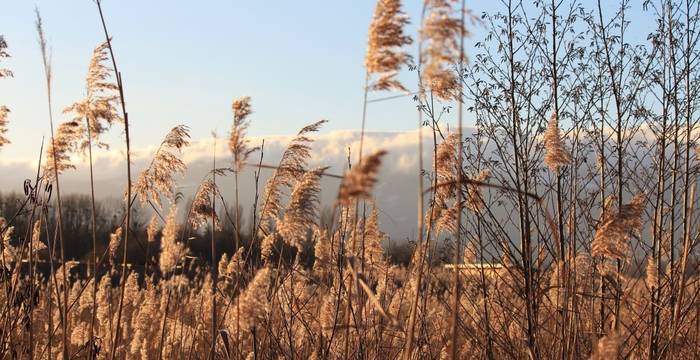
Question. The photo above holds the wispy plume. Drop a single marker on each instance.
(4, 111)
(446, 167)
(4, 55)
(254, 304)
(373, 240)
(556, 154)
(171, 251)
(158, 180)
(99, 107)
(442, 30)
(59, 151)
(292, 164)
(475, 200)
(152, 229)
(202, 205)
(359, 181)
(237, 142)
(447, 219)
(385, 45)
(302, 211)
(612, 235)
(652, 273)
(115, 239)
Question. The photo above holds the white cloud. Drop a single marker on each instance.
(396, 191)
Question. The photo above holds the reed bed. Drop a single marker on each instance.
(566, 218)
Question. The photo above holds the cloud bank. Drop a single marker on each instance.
(396, 190)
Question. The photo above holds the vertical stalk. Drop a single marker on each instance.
(408, 347)
(125, 114)
(94, 244)
(458, 235)
(214, 268)
(562, 266)
(59, 229)
(237, 244)
(524, 221)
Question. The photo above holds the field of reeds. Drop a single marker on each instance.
(563, 227)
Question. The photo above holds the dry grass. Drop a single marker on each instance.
(580, 267)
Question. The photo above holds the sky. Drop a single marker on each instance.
(183, 62)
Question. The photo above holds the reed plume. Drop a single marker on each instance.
(442, 31)
(302, 210)
(267, 245)
(171, 251)
(254, 303)
(292, 164)
(238, 143)
(115, 239)
(59, 151)
(474, 200)
(652, 273)
(608, 347)
(202, 205)
(323, 253)
(158, 180)
(37, 244)
(4, 111)
(99, 107)
(612, 235)
(386, 39)
(556, 153)
(231, 269)
(447, 217)
(373, 239)
(447, 166)
(9, 252)
(4, 55)
(152, 229)
(359, 181)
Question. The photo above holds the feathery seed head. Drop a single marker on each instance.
(302, 210)
(238, 143)
(447, 166)
(652, 272)
(442, 30)
(612, 235)
(202, 205)
(171, 251)
(359, 181)
(475, 201)
(59, 150)
(152, 229)
(4, 111)
(556, 153)
(386, 40)
(373, 238)
(3, 55)
(254, 302)
(291, 166)
(115, 240)
(159, 178)
(608, 347)
(99, 107)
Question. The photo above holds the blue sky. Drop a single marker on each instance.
(183, 62)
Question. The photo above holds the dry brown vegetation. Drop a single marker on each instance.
(571, 210)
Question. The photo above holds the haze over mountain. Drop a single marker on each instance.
(395, 192)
